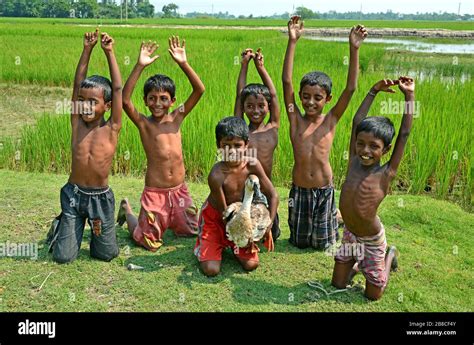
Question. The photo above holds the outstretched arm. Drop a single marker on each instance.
(295, 30)
(90, 40)
(381, 86)
(267, 81)
(107, 45)
(356, 37)
(178, 53)
(407, 86)
(247, 54)
(144, 59)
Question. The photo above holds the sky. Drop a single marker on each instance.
(269, 7)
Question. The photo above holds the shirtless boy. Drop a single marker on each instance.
(226, 183)
(366, 185)
(87, 194)
(165, 201)
(312, 210)
(256, 100)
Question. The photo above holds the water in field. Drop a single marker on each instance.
(411, 45)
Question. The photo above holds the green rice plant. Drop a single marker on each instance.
(437, 157)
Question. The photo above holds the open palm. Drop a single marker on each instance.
(295, 27)
(357, 35)
(91, 38)
(177, 50)
(146, 52)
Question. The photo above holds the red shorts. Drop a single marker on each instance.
(163, 208)
(212, 239)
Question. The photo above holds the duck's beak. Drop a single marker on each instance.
(256, 187)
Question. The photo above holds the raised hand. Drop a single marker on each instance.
(406, 85)
(106, 42)
(91, 38)
(384, 85)
(146, 51)
(258, 58)
(357, 35)
(295, 28)
(247, 55)
(177, 51)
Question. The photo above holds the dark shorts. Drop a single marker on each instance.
(312, 217)
(97, 205)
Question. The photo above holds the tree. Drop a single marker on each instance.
(306, 13)
(170, 11)
(58, 9)
(86, 9)
(145, 9)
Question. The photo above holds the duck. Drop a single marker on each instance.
(247, 221)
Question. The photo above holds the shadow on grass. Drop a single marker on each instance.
(260, 293)
(177, 252)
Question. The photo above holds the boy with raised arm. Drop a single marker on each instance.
(312, 210)
(256, 100)
(365, 187)
(227, 183)
(165, 201)
(87, 194)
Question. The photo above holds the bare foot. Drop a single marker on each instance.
(392, 250)
(124, 208)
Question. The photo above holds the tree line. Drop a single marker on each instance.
(143, 9)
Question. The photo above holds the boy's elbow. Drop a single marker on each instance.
(127, 104)
(350, 89)
(405, 133)
(117, 88)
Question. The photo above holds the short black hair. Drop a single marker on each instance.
(317, 78)
(381, 127)
(232, 126)
(97, 81)
(255, 90)
(160, 82)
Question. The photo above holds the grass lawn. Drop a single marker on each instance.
(435, 240)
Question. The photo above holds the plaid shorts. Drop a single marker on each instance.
(312, 217)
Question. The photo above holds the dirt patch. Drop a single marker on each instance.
(22, 104)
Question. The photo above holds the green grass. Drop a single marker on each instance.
(438, 152)
(435, 240)
(311, 23)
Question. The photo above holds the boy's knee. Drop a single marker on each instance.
(302, 244)
(338, 284)
(210, 269)
(107, 256)
(373, 293)
(249, 265)
(64, 258)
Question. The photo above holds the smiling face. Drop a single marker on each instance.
(256, 108)
(159, 102)
(232, 150)
(313, 99)
(92, 105)
(369, 148)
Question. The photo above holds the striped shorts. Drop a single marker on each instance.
(312, 217)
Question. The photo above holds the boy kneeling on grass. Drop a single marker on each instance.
(165, 201)
(366, 186)
(87, 194)
(227, 183)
